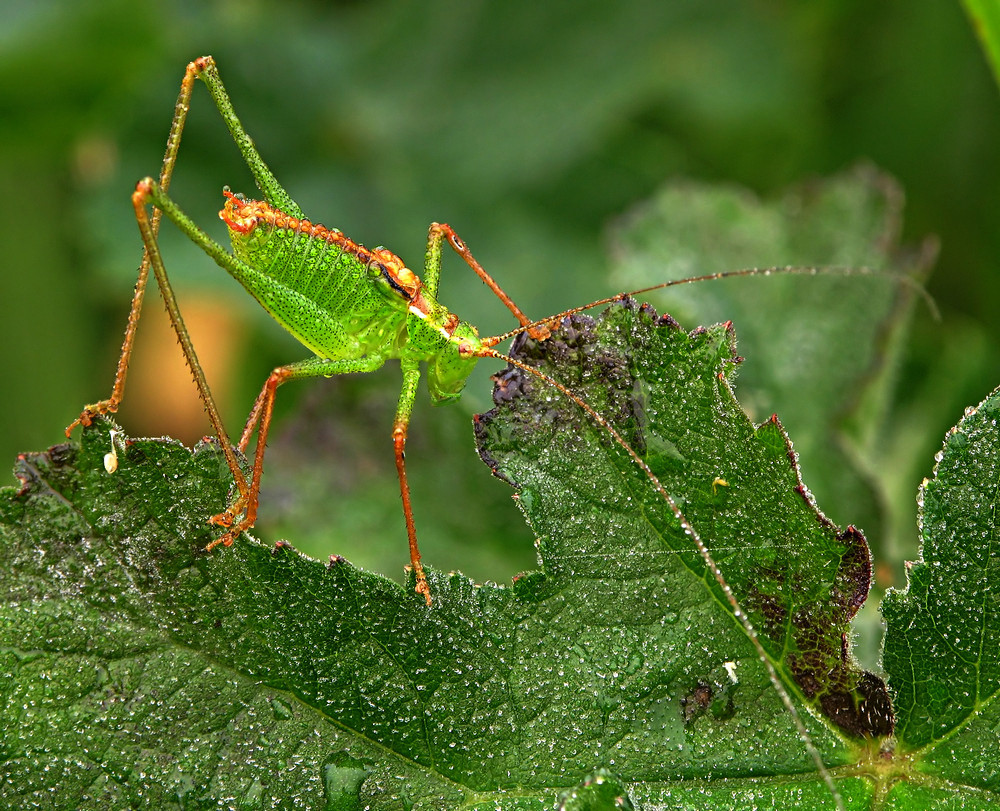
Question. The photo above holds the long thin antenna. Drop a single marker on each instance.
(790, 270)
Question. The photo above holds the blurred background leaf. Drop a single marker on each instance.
(985, 16)
(528, 127)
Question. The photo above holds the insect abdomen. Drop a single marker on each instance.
(312, 280)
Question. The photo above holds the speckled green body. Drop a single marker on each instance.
(342, 301)
(319, 292)
(354, 308)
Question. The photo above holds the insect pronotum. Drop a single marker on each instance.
(375, 310)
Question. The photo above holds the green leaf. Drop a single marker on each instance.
(142, 671)
(821, 349)
(799, 578)
(139, 671)
(943, 631)
(985, 17)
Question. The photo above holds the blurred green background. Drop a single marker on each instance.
(528, 127)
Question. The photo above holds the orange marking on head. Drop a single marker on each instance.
(401, 274)
(242, 215)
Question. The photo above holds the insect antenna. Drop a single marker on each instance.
(788, 270)
(690, 531)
